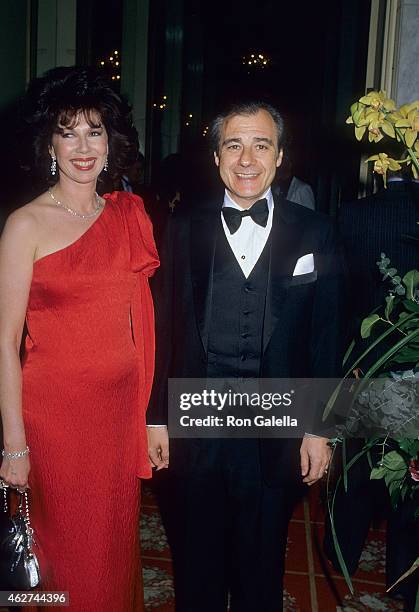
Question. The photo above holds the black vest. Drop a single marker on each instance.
(237, 314)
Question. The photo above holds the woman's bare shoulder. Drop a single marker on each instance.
(29, 215)
(25, 221)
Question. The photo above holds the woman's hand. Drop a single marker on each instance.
(15, 472)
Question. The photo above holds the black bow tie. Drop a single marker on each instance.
(259, 212)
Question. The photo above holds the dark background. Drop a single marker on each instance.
(317, 68)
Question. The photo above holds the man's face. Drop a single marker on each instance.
(248, 156)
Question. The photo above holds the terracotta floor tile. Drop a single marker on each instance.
(299, 511)
(297, 593)
(296, 559)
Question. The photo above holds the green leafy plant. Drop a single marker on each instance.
(393, 333)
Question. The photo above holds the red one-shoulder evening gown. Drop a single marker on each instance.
(87, 374)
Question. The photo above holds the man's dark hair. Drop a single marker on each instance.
(55, 100)
(244, 108)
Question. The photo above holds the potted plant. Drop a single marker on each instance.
(391, 333)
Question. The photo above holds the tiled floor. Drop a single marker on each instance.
(311, 585)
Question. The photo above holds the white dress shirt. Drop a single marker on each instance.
(248, 241)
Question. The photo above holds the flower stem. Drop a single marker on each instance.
(411, 152)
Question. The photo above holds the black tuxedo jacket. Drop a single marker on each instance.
(302, 324)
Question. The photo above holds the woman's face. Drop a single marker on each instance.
(81, 149)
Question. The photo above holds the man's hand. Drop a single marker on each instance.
(315, 457)
(158, 446)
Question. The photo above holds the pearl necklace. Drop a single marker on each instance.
(74, 212)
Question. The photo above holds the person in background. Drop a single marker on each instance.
(132, 180)
(169, 192)
(74, 268)
(291, 187)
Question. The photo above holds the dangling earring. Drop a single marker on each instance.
(53, 165)
(105, 165)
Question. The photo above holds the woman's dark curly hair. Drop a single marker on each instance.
(58, 97)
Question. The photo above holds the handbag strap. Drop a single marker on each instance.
(26, 517)
(5, 504)
(23, 509)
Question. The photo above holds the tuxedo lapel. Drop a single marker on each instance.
(284, 251)
(204, 225)
(285, 247)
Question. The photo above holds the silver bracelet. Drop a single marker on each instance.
(15, 454)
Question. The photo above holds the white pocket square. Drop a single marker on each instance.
(304, 265)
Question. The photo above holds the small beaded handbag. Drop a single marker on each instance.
(19, 569)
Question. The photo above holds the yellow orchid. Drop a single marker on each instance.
(379, 101)
(407, 108)
(376, 121)
(364, 118)
(383, 163)
(378, 116)
(357, 114)
(357, 117)
(407, 120)
(356, 111)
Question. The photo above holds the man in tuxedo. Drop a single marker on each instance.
(249, 287)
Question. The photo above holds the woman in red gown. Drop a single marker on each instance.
(74, 267)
